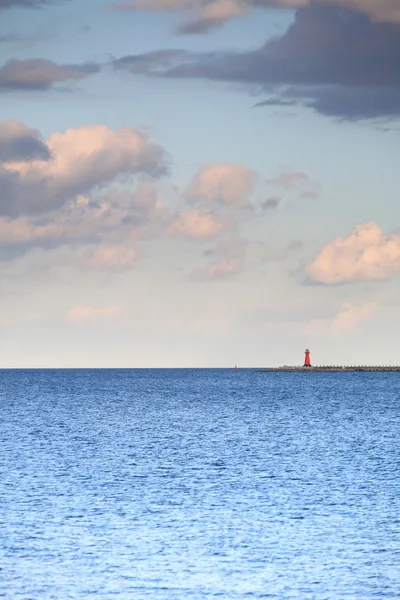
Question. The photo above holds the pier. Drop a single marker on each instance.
(330, 369)
(309, 368)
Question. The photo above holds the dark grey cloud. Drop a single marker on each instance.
(157, 62)
(40, 74)
(339, 62)
(20, 143)
(271, 203)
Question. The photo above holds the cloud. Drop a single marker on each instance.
(201, 16)
(365, 255)
(347, 319)
(20, 143)
(271, 203)
(340, 63)
(112, 222)
(221, 183)
(207, 16)
(197, 225)
(37, 74)
(82, 160)
(228, 260)
(295, 183)
(26, 3)
(81, 313)
(115, 258)
(151, 5)
(290, 179)
(350, 316)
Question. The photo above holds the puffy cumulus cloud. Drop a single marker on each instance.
(340, 63)
(80, 313)
(201, 16)
(228, 259)
(114, 258)
(20, 143)
(347, 318)
(224, 184)
(39, 74)
(197, 225)
(82, 159)
(365, 255)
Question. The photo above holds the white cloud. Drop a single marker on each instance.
(365, 255)
(196, 224)
(224, 184)
(116, 258)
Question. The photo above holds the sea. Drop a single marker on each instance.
(191, 484)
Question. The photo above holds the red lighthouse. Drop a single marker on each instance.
(307, 361)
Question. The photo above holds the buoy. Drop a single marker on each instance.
(235, 370)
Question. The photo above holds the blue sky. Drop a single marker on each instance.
(152, 215)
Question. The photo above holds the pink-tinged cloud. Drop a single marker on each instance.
(224, 184)
(204, 15)
(37, 74)
(365, 255)
(23, 231)
(114, 258)
(81, 313)
(348, 318)
(201, 15)
(82, 159)
(197, 225)
(114, 220)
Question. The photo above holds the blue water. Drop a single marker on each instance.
(192, 484)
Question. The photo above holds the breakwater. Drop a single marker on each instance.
(331, 369)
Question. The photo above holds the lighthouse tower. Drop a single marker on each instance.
(307, 361)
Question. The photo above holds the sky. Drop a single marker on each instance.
(199, 183)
